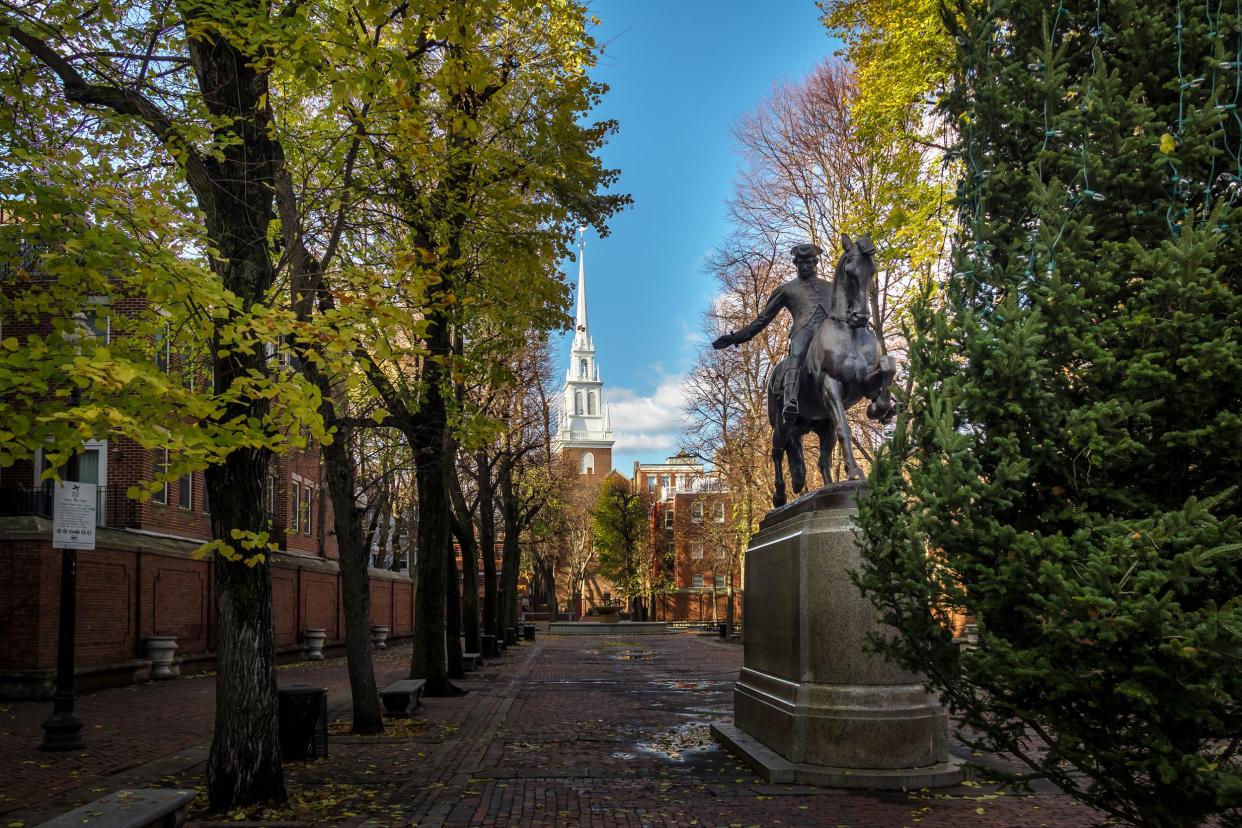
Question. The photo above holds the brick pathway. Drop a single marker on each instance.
(567, 732)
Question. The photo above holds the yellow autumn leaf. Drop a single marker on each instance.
(11, 343)
(1168, 143)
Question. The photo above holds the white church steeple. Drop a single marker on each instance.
(585, 422)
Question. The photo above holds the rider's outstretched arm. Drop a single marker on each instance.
(775, 302)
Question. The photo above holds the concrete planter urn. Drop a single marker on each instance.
(379, 636)
(314, 640)
(161, 649)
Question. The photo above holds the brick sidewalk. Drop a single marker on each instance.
(567, 732)
(128, 727)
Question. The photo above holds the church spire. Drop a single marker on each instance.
(582, 337)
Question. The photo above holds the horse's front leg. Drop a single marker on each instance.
(797, 460)
(827, 444)
(832, 401)
(878, 383)
(778, 455)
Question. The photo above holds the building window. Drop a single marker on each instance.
(664, 482)
(672, 547)
(696, 511)
(696, 581)
(650, 484)
(159, 466)
(719, 515)
(295, 505)
(588, 463)
(720, 582)
(696, 551)
(591, 403)
(582, 369)
(185, 491)
(308, 494)
(578, 402)
(98, 324)
(668, 518)
(163, 355)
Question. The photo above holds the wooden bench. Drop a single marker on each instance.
(470, 661)
(400, 696)
(143, 808)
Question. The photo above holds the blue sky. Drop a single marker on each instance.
(681, 73)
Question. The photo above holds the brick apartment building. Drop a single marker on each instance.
(143, 579)
(691, 526)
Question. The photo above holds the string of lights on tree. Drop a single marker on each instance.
(1217, 109)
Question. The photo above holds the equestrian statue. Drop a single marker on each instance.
(834, 361)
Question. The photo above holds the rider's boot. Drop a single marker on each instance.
(790, 411)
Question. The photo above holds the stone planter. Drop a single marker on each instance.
(379, 636)
(314, 640)
(161, 649)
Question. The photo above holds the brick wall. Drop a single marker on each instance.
(134, 586)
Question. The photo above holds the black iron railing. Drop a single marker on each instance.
(112, 507)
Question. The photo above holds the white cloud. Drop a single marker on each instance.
(631, 443)
(647, 427)
(662, 411)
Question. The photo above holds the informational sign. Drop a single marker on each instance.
(73, 516)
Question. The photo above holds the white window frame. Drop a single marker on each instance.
(696, 581)
(668, 518)
(696, 551)
(161, 495)
(696, 512)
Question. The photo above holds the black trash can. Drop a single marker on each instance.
(528, 632)
(303, 721)
(724, 631)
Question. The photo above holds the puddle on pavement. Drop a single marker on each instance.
(634, 655)
(677, 743)
(697, 685)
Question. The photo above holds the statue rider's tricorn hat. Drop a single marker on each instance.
(806, 251)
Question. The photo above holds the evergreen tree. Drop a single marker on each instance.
(1067, 469)
(622, 540)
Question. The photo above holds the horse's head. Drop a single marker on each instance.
(852, 284)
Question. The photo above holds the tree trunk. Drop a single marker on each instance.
(452, 617)
(428, 437)
(512, 555)
(355, 581)
(244, 766)
(487, 543)
(463, 530)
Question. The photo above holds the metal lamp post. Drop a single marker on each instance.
(63, 731)
(74, 508)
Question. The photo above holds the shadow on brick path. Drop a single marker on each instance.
(575, 731)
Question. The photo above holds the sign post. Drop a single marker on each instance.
(73, 528)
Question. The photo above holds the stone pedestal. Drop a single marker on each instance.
(379, 636)
(811, 705)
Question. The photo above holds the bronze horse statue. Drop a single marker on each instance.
(843, 364)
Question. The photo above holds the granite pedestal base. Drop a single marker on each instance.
(810, 704)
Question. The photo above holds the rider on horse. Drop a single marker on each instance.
(809, 301)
